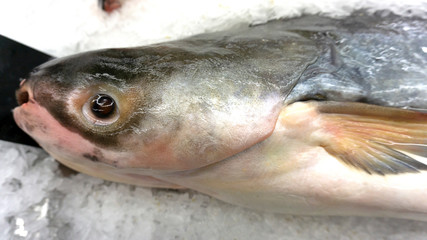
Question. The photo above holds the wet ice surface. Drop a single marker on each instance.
(67, 27)
(38, 202)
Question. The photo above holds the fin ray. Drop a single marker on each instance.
(374, 139)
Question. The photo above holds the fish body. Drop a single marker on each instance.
(304, 116)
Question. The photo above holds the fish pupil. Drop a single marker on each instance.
(103, 106)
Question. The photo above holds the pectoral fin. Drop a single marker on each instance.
(377, 140)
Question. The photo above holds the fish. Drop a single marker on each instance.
(310, 115)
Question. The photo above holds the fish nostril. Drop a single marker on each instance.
(22, 97)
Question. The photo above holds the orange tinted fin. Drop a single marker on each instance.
(377, 140)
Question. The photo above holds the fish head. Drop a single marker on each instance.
(105, 110)
(79, 118)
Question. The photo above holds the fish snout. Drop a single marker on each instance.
(24, 94)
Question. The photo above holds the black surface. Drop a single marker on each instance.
(16, 61)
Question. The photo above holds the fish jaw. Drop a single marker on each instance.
(74, 151)
(36, 121)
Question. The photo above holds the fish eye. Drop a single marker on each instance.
(102, 106)
(101, 109)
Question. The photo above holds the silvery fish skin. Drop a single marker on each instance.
(303, 116)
